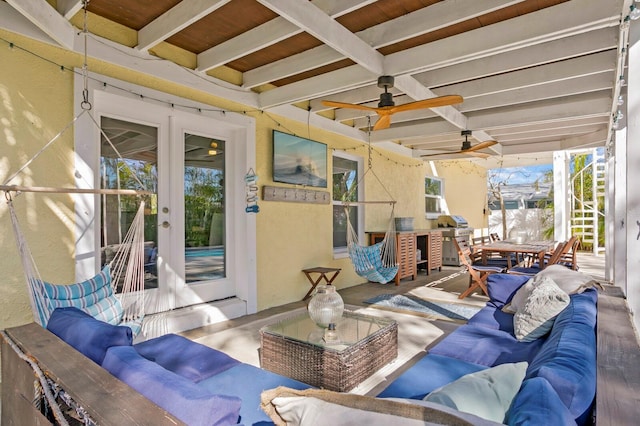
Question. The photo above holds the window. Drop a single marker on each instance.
(345, 175)
(433, 197)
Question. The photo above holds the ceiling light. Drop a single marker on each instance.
(620, 100)
(634, 13)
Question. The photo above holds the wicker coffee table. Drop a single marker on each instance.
(295, 348)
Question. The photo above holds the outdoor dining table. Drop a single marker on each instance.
(508, 247)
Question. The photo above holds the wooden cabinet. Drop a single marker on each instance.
(415, 249)
(406, 255)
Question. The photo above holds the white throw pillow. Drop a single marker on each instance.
(520, 297)
(536, 317)
(572, 282)
(302, 410)
(486, 393)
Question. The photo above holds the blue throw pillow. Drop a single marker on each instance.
(185, 357)
(502, 287)
(86, 334)
(186, 400)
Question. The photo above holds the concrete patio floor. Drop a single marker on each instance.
(356, 295)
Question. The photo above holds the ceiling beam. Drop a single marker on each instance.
(540, 54)
(552, 23)
(68, 8)
(422, 21)
(175, 19)
(545, 53)
(463, 47)
(268, 34)
(590, 140)
(41, 14)
(317, 23)
(586, 105)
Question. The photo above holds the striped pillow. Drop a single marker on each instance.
(93, 296)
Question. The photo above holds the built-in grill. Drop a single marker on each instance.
(453, 226)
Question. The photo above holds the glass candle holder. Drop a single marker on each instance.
(326, 306)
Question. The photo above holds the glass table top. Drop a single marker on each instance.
(351, 329)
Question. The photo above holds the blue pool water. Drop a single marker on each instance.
(204, 252)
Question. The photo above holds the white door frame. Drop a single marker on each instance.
(241, 128)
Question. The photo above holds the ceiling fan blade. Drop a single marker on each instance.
(442, 153)
(383, 122)
(427, 103)
(482, 145)
(346, 105)
(477, 154)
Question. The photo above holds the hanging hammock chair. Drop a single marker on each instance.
(96, 296)
(116, 294)
(376, 262)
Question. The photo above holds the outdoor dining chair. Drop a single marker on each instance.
(478, 273)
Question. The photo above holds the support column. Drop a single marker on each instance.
(632, 222)
(617, 250)
(561, 200)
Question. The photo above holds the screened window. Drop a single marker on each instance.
(345, 174)
(433, 196)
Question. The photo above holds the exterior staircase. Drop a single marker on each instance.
(587, 199)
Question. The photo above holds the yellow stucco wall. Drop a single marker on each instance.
(465, 190)
(37, 102)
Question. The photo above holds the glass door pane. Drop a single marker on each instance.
(129, 153)
(204, 208)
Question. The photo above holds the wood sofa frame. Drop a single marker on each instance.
(107, 400)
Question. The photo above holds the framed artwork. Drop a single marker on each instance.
(299, 161)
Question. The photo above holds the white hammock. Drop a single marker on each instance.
(97, 296)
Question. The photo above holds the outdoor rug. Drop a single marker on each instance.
(433, 309)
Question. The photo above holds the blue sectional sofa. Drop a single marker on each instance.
(560, 381)
(196, 384)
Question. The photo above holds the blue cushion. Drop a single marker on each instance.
(248, 382)
(184, 399)
(185, 357)
(86, 334)
(502, 287)
(538, 404)
(94, 296)
(567, 360)
(428, 374)
(486, 346)
(492, 317)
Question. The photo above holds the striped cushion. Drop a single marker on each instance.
(93, 296)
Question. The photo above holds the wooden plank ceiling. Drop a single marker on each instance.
(535, 75)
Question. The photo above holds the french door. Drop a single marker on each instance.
(183, 160)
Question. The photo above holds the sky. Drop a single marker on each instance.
(519, 175)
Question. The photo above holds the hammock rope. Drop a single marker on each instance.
(377, 262)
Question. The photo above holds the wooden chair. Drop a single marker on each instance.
(570, 259)
(478, 274)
